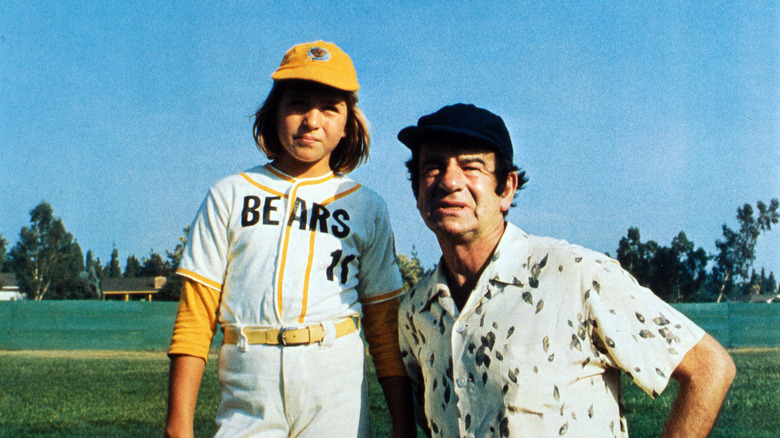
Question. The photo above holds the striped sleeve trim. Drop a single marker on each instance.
(200, 279)
(383, 297)
(342, 194)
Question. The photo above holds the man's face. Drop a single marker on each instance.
(457, 197)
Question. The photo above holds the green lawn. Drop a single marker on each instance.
(123, 394)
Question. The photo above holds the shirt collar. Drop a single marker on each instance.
(435, 286)
(511, 249)
(511, 252)
(280, 174)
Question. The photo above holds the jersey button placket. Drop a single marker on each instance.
(286, 285)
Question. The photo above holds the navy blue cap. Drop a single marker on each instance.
(461, 121)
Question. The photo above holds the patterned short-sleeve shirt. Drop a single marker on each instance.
(538, 348)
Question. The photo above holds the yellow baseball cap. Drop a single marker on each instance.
(320, 62)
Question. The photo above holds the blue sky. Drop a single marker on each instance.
(659, 115)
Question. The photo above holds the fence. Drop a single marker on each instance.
(109, 325)
(82, 325)
(737, 324)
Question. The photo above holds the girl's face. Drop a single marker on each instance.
(310, 123)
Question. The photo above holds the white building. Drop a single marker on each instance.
(9, 291)
(11, 295)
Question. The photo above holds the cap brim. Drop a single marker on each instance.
(322, 76)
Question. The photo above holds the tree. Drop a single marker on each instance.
(770, 286)
(100, 271)
(44, 253)
(637, 257)
(675, 273)
(73, 281)
(752, 286)
(153, 266)
(3, 244)
(171, 291)
(736, 249)
(93, 264)
(73, 289)
(693, 281)
(411, 269)
(94, 273)
(132, 267)
(113, 268)
(73, 265)
(760, 284)
(679, 271)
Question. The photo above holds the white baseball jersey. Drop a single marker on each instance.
(287, 251)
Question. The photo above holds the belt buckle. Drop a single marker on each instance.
(284, 330)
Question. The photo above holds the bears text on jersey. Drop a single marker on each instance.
(316, 218)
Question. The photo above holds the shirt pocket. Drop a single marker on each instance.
(529, 387)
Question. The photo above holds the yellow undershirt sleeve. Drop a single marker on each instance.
(196, 320)
(380, 328)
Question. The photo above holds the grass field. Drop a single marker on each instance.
(123, 394)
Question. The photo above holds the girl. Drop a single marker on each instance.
(284, 257)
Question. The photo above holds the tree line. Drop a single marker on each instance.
(681, 272)
(49, 263)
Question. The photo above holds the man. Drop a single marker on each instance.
(517, 335)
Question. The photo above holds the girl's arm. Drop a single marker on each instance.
(183, 385)
(398, 395)
(380, 326)
(195, 326)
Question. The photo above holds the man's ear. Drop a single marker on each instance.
(508, 195)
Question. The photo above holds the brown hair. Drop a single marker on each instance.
(351, 151)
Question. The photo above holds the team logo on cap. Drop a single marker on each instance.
(318, 54)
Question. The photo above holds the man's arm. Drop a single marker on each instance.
(183, 385)
(705, 375)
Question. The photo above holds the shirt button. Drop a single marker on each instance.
(461, 326)
(461, 381)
